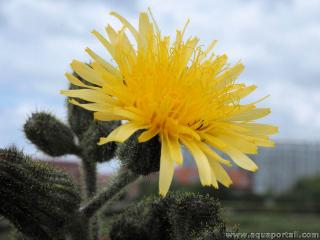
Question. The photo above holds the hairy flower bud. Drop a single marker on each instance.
(79, 119)
(88, 143)
(38, 199)
(49, 134)
(178, 216)
(141, 158)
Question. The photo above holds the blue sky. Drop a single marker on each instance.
(278, 41)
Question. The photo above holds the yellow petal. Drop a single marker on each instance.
(229, 75)
(175, 149)
(225, 126)
(260, 129)
(212, 140)
(166, 168)
(106, 76)
(214, 182)
(188, 132)
(105, 64)
(112, 34)
(241, 93)
(211, 154)
(148, 134)
(121, 133)
(208, 50)
(201, 161)
(76, 81)
(86, 72)
(108, 116)
(217, 65)
(154, 21)
(259, 140)
(145, 29)
(221, 175)
(251, 114)
(241, 159)
(262, 141)
(88, 95)
(188, 50)
(125, 46)
(116, 111)
(239, 143)
(104, 42)
(126, 24)
(90, 106)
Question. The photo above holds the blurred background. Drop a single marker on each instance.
(279, 43)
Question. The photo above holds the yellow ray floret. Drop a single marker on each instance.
(174, 90)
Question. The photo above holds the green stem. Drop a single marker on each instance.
(109, 207)
(94, 228)
(123, 178)
(89, 168)
(79, 228)
(90, 177)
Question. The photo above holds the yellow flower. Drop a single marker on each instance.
(176, 90)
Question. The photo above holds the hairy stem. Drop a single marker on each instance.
(80, 229)
(123, 178)
(89, 168)
(90, 177)
(94, 228)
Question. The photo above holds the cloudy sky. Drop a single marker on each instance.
(278, 41)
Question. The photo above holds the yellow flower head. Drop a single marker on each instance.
(174, 89)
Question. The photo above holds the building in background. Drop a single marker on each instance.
(282, 166)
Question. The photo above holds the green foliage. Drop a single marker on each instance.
(49, 134)
(308, 189)
(141, 158)
(178, 216)
(38, 199)
(16, 235)
(305, 193)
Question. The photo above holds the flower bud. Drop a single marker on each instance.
(38, 199)
(178, 216)
(79, 119)
(88, 143)
(49, 134)
(141, 158)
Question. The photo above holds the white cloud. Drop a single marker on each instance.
(39, 39)
(296, 111)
